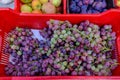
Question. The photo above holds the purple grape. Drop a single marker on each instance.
(80, 3)
(84, 9)
(74, 73)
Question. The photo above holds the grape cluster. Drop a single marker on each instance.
(23, 48)
(87, 6)
(84, 49)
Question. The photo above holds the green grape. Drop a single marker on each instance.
(48, 53)
(42, 51)
(100, 66)
(61, 54)
(93, 68)
(17, 47)
(77, 43)
(52, 45)
(11, 39)
(62, 67)
(93, 44)
(19, 53)
(81, 68)
(71, 64)
(13, 46)
(75, 26)
(96, 70)
(104, 42)
(51, 20)
(55, 36)
(63, 31)
(91, 34)
(96, 35)
(73, 38)
(65, 35)
(69, 33)
(53, 40)
(89, 29)
(61, 36)
(96, 27)
(64, 63)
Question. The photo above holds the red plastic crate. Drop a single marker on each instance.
(12, 18)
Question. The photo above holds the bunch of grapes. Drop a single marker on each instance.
(87, 6)
(83, 49)
(25, 53)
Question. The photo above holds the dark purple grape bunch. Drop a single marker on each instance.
(16, 38)
(87, 6)
(30, 68)
(25, 53)
(20, 41)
